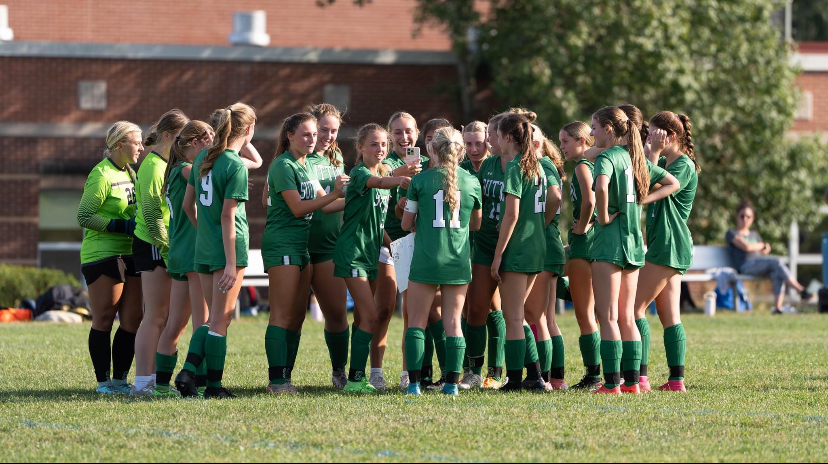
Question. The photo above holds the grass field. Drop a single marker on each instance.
(757, 392)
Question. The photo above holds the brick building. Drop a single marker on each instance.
(75, 67)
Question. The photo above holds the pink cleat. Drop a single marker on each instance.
(632, 389)
(608, 391)
(558, 384)
(644, 383)
(674, 385)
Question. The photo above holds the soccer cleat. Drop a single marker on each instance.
(471, 380)
(558, 384)
(362, 386)
(377, 381)
(511, 387)
(644, 383)
(674, 385)
(632, 389)
(218, 394)
(283, 389)
(450, 389)
(537, 386)
(186, 385)
(121, 388)
(170, 393)
(588, 383)
(106, 389)
(438, 385)
(491, 383)
(608, 391)
(339, 379)
(147, 391)
(201, 392)
(413, 389)
(405, 382)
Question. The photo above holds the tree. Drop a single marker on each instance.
(720, 61)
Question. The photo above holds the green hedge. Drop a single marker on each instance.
(18, 283)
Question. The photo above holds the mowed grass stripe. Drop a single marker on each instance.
(757, 392)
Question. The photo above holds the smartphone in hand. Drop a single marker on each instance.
(412, 154)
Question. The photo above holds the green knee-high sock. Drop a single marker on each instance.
(438, 333)
(455, 347)
(165, 365)
(497, 339)
(531, 356)
(515, 355)
(558, 357)
(631, 362)
(611, 359)
(644, 330)
(215, 350)
(195, 353)
(201, 377)
(675, 344)
(591, 353)
(545, 357)
(464, 323)
(414, 348)
(293, 351)
(476, 347)
(338, 348)
(360, 348)
(276, 347)
(428, 355)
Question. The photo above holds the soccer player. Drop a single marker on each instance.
(107, 215)
(186, 297)
(291, 196)
(669, 244)
(521, 247)
(575, 141)
(356, 256)
(444, 204)
(540, 306)
(402, 127)
(622, 185)
(150, 248)
(330, 290)
(215, 200)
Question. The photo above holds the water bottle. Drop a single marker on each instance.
(710, 304)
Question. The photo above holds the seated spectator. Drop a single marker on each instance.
(749, 254)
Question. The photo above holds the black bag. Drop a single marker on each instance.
(59, 297)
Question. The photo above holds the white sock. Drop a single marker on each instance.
(153, 378)
(141, 381)
(404, 374)
(376, 370)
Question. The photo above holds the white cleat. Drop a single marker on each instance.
(339, 379)
(404, 381)
(471, 380)
(377, 381)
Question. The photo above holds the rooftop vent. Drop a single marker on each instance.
(250, 28)
(5, 32)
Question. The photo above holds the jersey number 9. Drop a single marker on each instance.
(206, 198)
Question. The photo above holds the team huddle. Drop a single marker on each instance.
(168, 246)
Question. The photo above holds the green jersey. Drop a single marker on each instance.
(526, 250)
(182, 232)
(620, 242)
(491, 177)
(555, 256)
(324, 228)
(361, 235)
(669, 242)
(285, 234)
(469, 166)
(392, 223)
(227, 180)
(109, 194)
(153, 217)
(580, 246)
(442, 254)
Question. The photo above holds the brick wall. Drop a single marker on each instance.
(817, 84)
(41, 90)
(291, 23)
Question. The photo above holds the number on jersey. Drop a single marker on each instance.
(439, 222)
(495, 212)
(540, 197)
(630, 185)
(206, 197)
